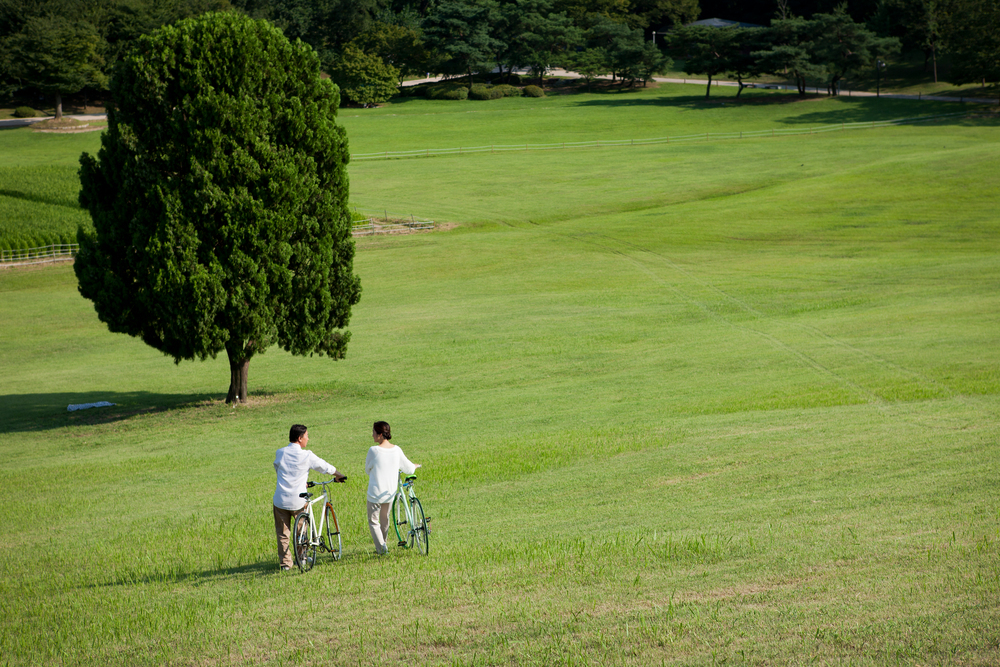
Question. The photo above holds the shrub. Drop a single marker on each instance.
(533, 91)
(508, 91)
(481, 92)
(447, 91)
(24, 112)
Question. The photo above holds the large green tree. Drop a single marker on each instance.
(788, 50)
(842, 47)
(463, 31)
(917, 23)
(364, 78)
(705, 50)
(400, 47)
(538, 37)
(973, 40)
(55, 55)
(219, 198)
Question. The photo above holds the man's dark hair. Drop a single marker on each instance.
(296, 432)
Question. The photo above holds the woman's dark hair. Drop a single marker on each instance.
(382, 429)
(296, 432)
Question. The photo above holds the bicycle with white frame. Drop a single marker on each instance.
(307, 535)
(411, 526)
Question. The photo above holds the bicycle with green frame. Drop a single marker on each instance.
(411, 526)
(307, 535)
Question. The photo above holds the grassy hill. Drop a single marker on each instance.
(727, 402)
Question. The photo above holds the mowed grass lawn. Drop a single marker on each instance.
(734, 402)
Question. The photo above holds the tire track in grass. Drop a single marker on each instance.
(703, 306)
(615, 246)
(888, 408)
(810, 329)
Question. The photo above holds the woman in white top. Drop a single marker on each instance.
(383, 463)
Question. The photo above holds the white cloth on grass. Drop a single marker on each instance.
(85, 406)
(292, 463)
(382, 465)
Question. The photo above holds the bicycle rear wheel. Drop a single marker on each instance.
(303, 550)
(333, 544)
(420, 531)
(400, 525)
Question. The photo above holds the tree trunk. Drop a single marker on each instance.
(239, 371)
(709, 88)
(934, 60)
(58, 106)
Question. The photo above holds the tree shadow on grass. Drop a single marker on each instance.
(263, 568)
(29, 413)
(868, 109)
(846, 110)
(259, 569)
(39, 199)
(723, 96)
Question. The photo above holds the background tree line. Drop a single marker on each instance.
(60, 47)
(829, 46)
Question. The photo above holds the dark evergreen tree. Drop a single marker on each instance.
(842, 47)
(55, 55)
(705, 50)
(539, 38)
(219, 198)
(972, 40)
(789, 52)
(463, 31)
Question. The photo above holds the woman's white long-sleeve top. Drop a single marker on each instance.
(382, 466)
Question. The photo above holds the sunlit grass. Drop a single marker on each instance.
(721, 403)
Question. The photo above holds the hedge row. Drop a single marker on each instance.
(483, 92)
(25, 241)
(451, 90)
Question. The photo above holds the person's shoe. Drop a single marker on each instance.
(285, 568)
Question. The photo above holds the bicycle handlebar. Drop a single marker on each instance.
(332, 480)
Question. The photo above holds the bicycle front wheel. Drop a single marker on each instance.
(420, 530)
(333, 544)
(303, 550)
(400, 524)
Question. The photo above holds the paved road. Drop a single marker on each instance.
(772, 86)
(24, 122)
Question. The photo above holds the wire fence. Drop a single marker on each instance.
(610, 143)
(60, 252)
(389, 223)
(63, 252)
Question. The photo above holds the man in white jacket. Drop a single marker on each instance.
(292, 464)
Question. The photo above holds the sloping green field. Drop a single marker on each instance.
(729, 402)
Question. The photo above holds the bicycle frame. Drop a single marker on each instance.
(417, 527)
(314, 530)
(304, 550)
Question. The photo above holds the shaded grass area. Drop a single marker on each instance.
(727, 403)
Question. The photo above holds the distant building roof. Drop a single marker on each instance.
(723, 23)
